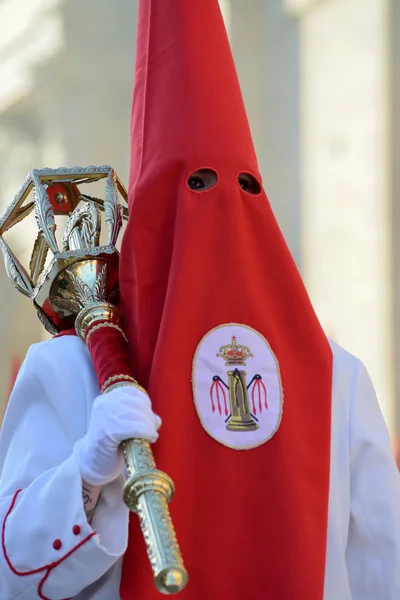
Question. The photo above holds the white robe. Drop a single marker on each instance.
(49, 410)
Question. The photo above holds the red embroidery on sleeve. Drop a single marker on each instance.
(48, 568)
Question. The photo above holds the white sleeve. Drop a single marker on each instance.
(373, 550)
(48, 548)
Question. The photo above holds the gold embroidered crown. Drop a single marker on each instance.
(234, 353)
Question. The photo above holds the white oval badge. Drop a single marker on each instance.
(237, 386)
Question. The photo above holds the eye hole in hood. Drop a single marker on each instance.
(249, 184)
(202, 180)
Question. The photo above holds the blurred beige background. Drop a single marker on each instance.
(320, 80)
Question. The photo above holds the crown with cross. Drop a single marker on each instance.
(234, 353)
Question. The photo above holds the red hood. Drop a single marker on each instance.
(249, 523)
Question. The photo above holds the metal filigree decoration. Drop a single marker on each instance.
(44, 213)
(84, 252)
(65, 305)
(83, 228)
(100, 291)
(22, 213)
(77, 293)
(47, 324)
(112, 208)
(82, 291)
(76, 174)
(38, 258)
(23, 190)
(15, 271)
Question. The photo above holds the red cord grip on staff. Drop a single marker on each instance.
(109, 351)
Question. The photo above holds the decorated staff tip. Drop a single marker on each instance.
(67, 273)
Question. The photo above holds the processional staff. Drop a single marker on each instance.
(78, 287)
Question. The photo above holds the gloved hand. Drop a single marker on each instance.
(118, 415)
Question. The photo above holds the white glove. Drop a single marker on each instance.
(118, 415)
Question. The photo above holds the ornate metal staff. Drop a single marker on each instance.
(76, 287)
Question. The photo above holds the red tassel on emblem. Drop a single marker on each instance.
(259, 386)
(216, 388)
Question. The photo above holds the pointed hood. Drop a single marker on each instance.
(187, 102)
(221, 330)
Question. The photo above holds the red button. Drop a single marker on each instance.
(57, 544)
(76, 530)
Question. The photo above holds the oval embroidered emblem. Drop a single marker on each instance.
(237, 386)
